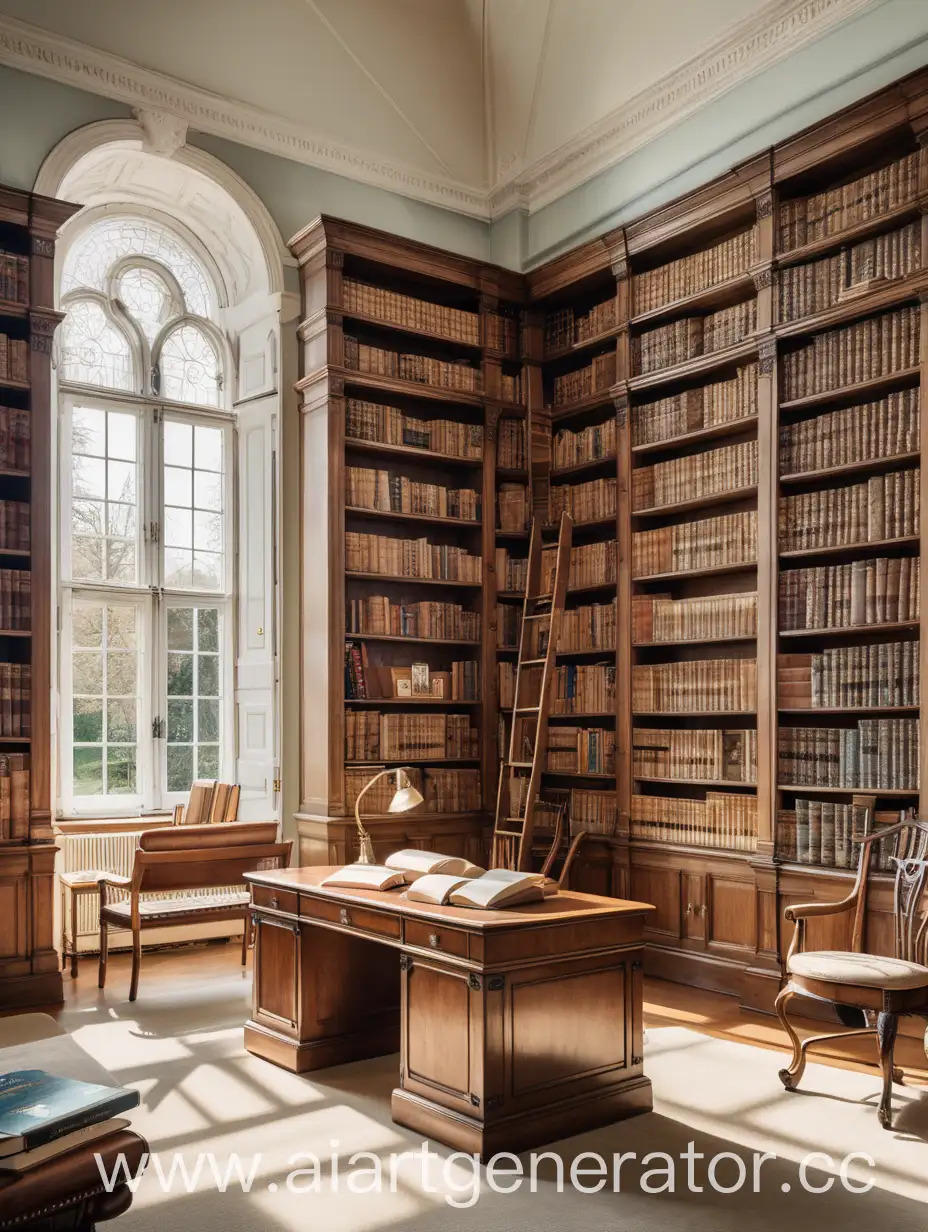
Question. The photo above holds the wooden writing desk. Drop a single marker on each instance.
(514, 1027)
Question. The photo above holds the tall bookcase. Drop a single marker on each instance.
(414, 373)
(724, 392)
(29, 972)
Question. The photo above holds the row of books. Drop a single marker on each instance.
(659, 618)
(590, 627)
(410, 558)
(884, 507)
(695, 272)
(591, 564)
(456, 324)
(586, 445)
(511, 572)
(371, 489)
(877, 753)
(15, 699)
(572, 386)
(15, 599)
(883, 675)
(826, 833)
(378, 616)
(565, 327)
(730, 539)
(819, 285)
(806, 219)
(860, 352)
(592, 501)
(712, 756)
(582, 688)
(696, 409)
(389, 425)
(14, 797)
(695, 475)
(14, 359)
(682, 340)
(510, 386)
(365, 680)
(371, 735)
(15, 439)
(870, 430)
(454, 790)
(501, 333)
(723, 819)
(423, 369)
(580, 750)
(596, 812)
(14, 525)
(510, 443)
(695, 686)
(865, 592)
(14, 278)
(508, 625)
(514, 507)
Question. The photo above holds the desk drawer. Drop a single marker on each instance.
(274, 900)
(376, 923)
(437, 937)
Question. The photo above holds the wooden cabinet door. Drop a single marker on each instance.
(695, 908)
(660, 886)
(277, 974)
(731, 918)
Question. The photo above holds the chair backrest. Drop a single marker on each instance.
(206, 857)
(209, 802)
(903, 846)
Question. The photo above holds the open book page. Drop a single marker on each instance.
(434, 888)
(493, 891)
(365, 877)
(416, 863)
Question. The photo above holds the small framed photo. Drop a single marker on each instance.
(402, 681)
(420, 680)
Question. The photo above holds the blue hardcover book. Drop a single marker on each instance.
(36, 1107)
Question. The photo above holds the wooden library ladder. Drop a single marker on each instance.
(514, 828)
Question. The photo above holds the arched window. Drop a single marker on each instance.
(146, 559)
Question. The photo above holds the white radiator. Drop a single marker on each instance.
(115, 853)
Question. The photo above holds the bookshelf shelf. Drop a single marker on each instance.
(602, 652)
(408, 702)
(425, 641)
(411, 389)
(699, 365)
(15, 552)
(713, 783)
(858, 392)
(693, 714)
(719, 431)
(848, 709)
(691, 849)
(7, 383)
(15, 633)
(681, 575)
(853, 549)
(839, 239)
(804, 788)
(382, 515)
(415, 761)
(890, 294)
(13, 308)
(867, 465)
(455, 344)
(593, 588)
(591, 467)
(719, 295)
(577, 774)
(583, 714)
(516, 474)
(390, 579)
(851, 630)
(410, 451)
(602, 397)
(577, 348)
(695, 641)
(732, 496)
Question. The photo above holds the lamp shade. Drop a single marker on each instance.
(405, 798)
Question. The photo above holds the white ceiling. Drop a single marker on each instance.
(474, 104)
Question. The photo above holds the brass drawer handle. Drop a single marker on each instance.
(689, 908)
(434, 941)
(344, 917)
(275, 901)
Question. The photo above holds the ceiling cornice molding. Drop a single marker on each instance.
(753, 45)
(33, 50)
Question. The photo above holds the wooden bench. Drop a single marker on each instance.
(205, 859)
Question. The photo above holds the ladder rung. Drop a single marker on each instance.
(519, 765)
(537, 616)
(548, 598)
(527, 709)
(530, 662)
(507, 833)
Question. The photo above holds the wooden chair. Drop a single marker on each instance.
(883, 988)
(209, 802)
(200, 858)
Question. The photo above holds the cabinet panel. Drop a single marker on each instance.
(13, 927)
(438, 1055)
(732, 912)
(276, 990)
(662, 888)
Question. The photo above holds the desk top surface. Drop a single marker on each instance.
(566, 907)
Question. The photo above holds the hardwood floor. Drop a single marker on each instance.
(210, 972)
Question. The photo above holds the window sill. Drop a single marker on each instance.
(111, 825)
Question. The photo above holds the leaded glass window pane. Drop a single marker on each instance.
(104, 496)
(93, 350)
(105, 698)
(189, 367)
(147, 298)
(194, 526)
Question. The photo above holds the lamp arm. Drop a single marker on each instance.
(363, 792)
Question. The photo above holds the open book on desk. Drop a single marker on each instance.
(438, 879)
(402, 868)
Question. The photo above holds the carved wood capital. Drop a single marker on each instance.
(767, 355)
(42, 247)
(492, 423)
(621, 409)
(42, 330)
(334, 258)
(764, 202)
(764, 278)
(620, 267)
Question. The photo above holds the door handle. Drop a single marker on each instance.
(690, 909)
(344, 917)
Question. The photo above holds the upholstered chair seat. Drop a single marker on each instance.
(862, 970)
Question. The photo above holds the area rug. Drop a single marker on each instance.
(689, 1165)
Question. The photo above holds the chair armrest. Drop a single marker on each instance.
(114, 879)
(804, 911)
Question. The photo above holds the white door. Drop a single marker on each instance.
(256, 640)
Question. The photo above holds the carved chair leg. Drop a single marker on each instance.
(886, 1028)
(790, 1074)
(136, 963)
(104, 948)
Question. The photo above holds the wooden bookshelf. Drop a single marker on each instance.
(29, 968)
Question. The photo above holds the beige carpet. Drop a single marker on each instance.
(202, 1092)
